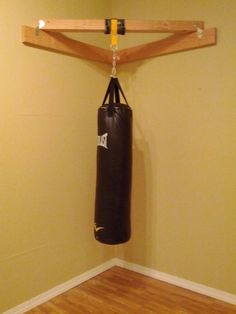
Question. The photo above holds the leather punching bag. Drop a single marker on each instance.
(114, 168)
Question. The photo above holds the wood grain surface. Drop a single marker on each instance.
(120, 291)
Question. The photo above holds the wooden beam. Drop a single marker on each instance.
(139, 26)
(54, 25)
(171, 44)
(132, 26)
(57, 42)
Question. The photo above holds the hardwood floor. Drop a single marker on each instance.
(120, 291)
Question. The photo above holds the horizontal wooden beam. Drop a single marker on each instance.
(132, 26)
(59, 43)
(139, 26)
(171, 44)
(54, 25)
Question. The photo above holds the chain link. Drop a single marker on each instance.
(115, 58)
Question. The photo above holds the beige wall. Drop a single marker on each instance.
(48, 106)
(184, 178)
(184, 183)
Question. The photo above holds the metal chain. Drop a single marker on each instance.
(114, 60)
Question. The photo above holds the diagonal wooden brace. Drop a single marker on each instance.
(60, 43)
(57, 42)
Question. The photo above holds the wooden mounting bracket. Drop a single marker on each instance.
(186, 35)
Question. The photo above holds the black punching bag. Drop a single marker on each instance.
(114, 166)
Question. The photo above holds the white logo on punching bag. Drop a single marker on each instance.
(102, 140)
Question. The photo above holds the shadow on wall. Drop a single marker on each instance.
(144, 214)
(139, 248)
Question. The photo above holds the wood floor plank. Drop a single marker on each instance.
(120, 291)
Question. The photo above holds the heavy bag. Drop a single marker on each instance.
(114, 168)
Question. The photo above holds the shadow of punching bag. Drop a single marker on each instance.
(114, 168)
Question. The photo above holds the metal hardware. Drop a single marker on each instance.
(120, 26)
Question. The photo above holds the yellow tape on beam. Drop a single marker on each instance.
(114, 38)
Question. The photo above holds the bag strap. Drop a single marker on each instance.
(117, 94)
(112, 92)
(122, 93)
(114, 89)
(107, 92)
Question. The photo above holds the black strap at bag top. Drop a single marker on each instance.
(114, 89)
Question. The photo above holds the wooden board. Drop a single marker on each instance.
(132, 26)
(59, 43)
(171, 44)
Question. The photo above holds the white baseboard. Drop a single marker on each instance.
(46, 296)
(177, 281)
(180, 282)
